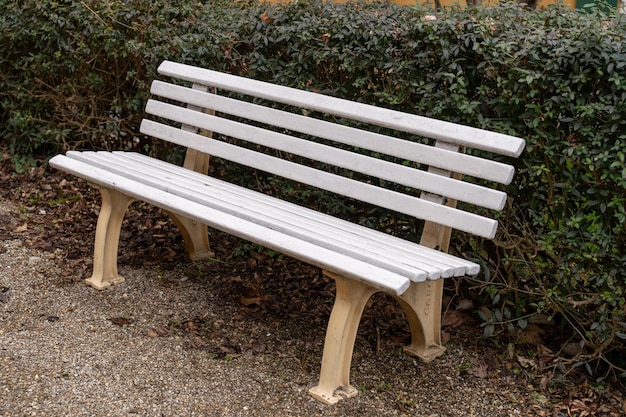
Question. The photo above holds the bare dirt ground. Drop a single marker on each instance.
(240, 335)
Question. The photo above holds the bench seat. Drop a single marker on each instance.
(388, 262)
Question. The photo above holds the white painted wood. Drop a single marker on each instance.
(297, 248)
(415, 178)
(420, 208)
(435, 129)
(295, 221)
(388, 145)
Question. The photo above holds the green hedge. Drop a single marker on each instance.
(76, 74)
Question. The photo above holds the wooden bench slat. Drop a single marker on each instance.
(410, 177)
(388, 145)
(436, 129)
(271, 212)
(297, 248)
(420, 208)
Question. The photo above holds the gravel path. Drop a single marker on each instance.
(67, 349)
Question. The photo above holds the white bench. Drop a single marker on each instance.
(191, 113)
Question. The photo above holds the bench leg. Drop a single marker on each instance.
(422, 306)
(114, 205)
(334, 383)
(196, 237)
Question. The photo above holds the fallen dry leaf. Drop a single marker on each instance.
(452, 319)
(248, 301)
(465, 305)
(526, 363)
(481, 370)
(265, 18)
(119, 321)
(162, 331)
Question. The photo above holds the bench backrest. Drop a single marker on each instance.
(436, 169)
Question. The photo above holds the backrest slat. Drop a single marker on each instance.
(392, 200)
(435, 129)
(411, 151)
(411, 177)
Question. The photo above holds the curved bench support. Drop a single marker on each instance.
(422, 301)
(196, 237)
(422, 306)
(195, 234)
(334, 383)
(114, 205)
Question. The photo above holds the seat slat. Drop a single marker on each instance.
(297, 248)
(270, 212)
(410, 177)
(435, 129)
(420, 208)
(388, 145)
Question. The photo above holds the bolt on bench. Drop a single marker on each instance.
(319, 131)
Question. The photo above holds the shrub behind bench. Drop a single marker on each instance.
(73, 75)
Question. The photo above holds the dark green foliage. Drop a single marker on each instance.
(76, 74)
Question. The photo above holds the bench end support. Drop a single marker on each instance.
(334, 384)
(114, 205)
(195, 236)
(422, 306)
